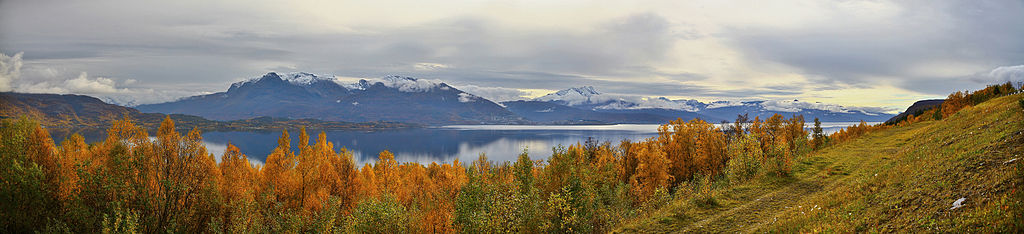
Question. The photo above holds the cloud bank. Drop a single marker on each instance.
(10, 70)
(854, 53)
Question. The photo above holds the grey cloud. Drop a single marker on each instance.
(748, 93)
(165, 48)
(187, 50)
(849, 52)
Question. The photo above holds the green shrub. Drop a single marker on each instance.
(744, 158)
(704, 194)
(379, 215)
(121, 220)
(567, 211)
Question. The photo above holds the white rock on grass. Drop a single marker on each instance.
(958, 203)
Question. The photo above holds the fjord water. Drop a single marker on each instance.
(442, 144)
(439, 144)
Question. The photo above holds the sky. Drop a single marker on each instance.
(868, 53)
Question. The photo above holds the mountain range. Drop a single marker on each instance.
(70, 111)
(660, 109)
(304, 95)
(411, 100)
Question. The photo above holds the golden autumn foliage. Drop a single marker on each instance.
(171, 183)
(854, 131)
(963, 99)
(951, 105)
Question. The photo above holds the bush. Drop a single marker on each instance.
(1021, 102)
(744, 158)
(121, 220)
(379, 215)
(567, 211)
(705, 194)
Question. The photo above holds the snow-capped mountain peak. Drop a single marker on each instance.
(402, 83)
(797, 106)
(397, 78)
(588, 96)
(586, 91)
(295, 78)
(302, 78)
(575, 96)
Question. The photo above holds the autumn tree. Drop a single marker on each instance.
(652, 171)
(385, 170)
(818, 136)
(278, 172)
(694, 147)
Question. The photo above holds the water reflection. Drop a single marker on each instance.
(441, 144)
(437, 144)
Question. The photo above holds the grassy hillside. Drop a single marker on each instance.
(896, 179)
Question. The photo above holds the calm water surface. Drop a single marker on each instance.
(441, 144)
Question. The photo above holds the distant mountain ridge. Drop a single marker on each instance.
(70, 111)
(546, 112)
(432, 102)
(588, 98)
(304, 95)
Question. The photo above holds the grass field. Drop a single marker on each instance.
(898, 179)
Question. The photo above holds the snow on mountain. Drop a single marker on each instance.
(302, 78)
(304, 95)
(722, 104)
(361, 85)
(296, 78)
(577, 96)
(467, 97)
(402, 83)
(634, 103)
(587, 95)
(796, 106)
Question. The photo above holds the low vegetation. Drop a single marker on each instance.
(908, 176)
(132, 182)
(760, 175)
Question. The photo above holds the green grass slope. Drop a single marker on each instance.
(892, 180)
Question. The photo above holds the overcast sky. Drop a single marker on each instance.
(856, 53)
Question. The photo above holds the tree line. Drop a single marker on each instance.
(132, 182)
(170, 182)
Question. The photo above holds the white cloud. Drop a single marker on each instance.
(1006, 73)
(82, 84)
(41, 87)
(796, 106)
(10, 70)
(587, 95)
(466, 97)
(409, 84)
(724, 103)
(430, 66)
(101, 87)
(495, 94)
(79, 85)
